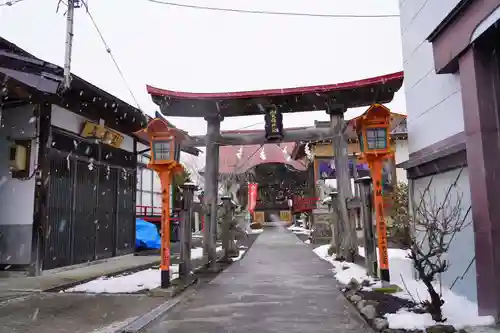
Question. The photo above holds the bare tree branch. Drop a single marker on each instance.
(435, 223)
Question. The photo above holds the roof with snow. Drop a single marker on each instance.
(27, 79)
(352, 94)
(23, 76)
(240, 159)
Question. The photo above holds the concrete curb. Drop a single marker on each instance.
(180, 295)
(176, 294)
(88, 279)
(139, 324)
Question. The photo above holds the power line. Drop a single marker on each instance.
(268, 12)
(108, 50)
(241, 128)
(10, 3)
(237, 167)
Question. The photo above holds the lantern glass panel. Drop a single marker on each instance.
(376, 138)
(361, 142)
(161, 150)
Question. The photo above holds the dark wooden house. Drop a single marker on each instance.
(68, 167)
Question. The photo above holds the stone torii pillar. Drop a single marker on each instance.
(348, 241)
(211, 197)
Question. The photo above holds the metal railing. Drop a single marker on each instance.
(303, 204)
(147, 210)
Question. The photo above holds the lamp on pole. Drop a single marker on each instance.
(165, 154)
(373, 133)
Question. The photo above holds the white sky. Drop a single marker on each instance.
(205, 51)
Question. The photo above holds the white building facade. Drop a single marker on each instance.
(148, 197)
(452, 85)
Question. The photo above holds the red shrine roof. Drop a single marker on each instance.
(379, 89)
(240, 159)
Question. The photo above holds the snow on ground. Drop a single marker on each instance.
(299, 230)
(196, 253)
(345, 271)
(143, 280)
(242, 252)
(254, 231)
(459, 311)
(122, 284)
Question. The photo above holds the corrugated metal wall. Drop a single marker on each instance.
(91, 211)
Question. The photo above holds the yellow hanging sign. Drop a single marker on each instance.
(100, 132)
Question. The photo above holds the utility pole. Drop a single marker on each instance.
(70, 20)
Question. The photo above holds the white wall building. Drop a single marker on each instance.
(452, 107)
(148, 197)
(67, 168)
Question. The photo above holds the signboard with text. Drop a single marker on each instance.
(100, 132)
(274, 124)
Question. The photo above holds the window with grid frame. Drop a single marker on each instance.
(161, 150)
(376, 138)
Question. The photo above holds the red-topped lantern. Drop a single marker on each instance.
(373, 132)
(165, 152)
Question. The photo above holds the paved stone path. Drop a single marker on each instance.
(279, 286)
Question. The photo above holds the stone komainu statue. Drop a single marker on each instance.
(236, 228)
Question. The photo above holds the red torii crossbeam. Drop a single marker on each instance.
(214, 107)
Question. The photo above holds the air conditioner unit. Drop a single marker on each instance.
(19, 156)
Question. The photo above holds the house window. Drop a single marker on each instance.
(149, 193)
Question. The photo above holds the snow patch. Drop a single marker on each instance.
(143, 280)
(345, 271)
(299, 230)
(254, 231)
(242, 252)
(132, 283)
(459, 311)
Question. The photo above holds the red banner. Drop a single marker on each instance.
(252, 196)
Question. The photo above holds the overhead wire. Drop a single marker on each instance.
(108, 50)
(247, 126)
(248, 158)
(220, 9)
(268, 12)
(10, 3)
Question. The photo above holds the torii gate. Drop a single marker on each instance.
(335, 99)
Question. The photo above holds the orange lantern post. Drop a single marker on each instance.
(373, 133)
(165, 153)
